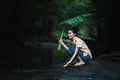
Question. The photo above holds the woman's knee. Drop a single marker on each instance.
(71, 49)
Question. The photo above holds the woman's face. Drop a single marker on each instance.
(71, 35)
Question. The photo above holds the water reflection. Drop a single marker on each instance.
(44, 54)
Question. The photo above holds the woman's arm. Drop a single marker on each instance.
(65, 46)
(76, 50)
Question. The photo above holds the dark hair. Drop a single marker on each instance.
(73, 29)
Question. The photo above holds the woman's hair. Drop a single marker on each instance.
(73, 29)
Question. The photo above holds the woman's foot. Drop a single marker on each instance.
(79, 63)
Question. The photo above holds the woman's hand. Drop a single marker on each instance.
(61, 41)
(66, 64)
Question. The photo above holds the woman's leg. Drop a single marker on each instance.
(71, 49)
(80, 61)
(79, 57)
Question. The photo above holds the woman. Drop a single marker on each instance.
(77, 48)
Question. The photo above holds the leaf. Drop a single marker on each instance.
(75, 20)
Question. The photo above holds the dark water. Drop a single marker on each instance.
(46, 64)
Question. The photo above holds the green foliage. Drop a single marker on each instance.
(75, 20)
(65, 13)
(86, 26)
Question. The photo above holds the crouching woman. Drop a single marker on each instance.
(77, 48)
